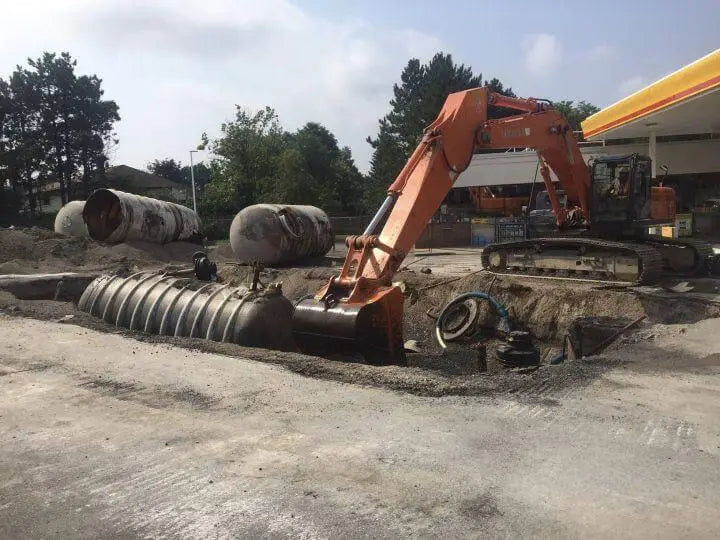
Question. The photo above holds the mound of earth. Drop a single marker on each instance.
(35, 250)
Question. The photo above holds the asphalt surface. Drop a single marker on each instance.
(106, 436)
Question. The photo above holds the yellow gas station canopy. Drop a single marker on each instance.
(684, 102)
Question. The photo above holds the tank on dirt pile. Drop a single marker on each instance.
(168, 305)
(115, 216)
(69, 220)
(277, 234)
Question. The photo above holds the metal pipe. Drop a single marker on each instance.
(381, 214)
(135, 287)
(141, 303)
(275, 234)
(69, 220)
(211, 326)
(99, 295)
(179, 326)
(231, 320)
(202, 310)
(153, 308)
(114, 294)
(115, 216)
(503, 325)
(169, 308)
(260, 319)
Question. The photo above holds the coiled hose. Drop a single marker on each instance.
(503, 325)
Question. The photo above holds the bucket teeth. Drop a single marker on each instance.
(374, 329)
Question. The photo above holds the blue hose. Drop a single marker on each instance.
(504, 324)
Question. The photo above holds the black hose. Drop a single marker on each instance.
(504, 324)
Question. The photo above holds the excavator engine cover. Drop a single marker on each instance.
(341, 330)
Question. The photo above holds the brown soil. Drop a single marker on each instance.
(545, 308)
(29, 251)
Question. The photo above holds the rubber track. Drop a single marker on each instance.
(650, 259)
(703, 252)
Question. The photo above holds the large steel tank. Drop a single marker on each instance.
(115, 216)
(167, 305)
(277, 234)
(69, 220)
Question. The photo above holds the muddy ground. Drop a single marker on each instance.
(546, 308)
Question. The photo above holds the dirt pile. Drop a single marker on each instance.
(547, 308)
(34, 250)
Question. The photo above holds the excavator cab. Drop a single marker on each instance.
(620, 194)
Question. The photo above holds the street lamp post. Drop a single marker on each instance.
(192, 179)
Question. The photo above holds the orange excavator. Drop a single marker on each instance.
(486, 201)
(602, 214)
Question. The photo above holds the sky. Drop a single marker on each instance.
(178, 68)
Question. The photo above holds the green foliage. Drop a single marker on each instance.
(417, 99)
(9, 205)
(203, 174)
(257, 161)
(167, 168)
(175, 171)
(54, 128)
(246, 155)
(314, 170)
(575, 114)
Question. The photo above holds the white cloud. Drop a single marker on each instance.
(601, 52)
(543, 53)
(177, 69)
(633, 84)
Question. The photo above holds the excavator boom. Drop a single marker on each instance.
(360, 309)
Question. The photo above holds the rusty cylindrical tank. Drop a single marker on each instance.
(69, 220)
(115, 216)
(163, 304)
(277, 234)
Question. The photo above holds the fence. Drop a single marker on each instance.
(508, 229)
(479, 233)
(345, 225)
(216, 228)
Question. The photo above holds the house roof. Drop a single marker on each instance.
(685, 102)
(131, 178)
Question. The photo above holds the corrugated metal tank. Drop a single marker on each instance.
(166, 305)
(69, 219)
(277, 234)
(115, 216)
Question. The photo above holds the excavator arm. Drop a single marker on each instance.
(548, 132)
(360, 310)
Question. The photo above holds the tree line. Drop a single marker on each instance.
(177, 172)
(55, 129)
(255, 160)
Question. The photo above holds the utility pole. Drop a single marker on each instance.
(192, 179)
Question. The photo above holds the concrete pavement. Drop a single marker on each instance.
(106, 436)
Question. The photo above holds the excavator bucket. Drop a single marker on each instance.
(329, 328)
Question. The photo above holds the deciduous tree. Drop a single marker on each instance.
(55, 128)
(575, 114)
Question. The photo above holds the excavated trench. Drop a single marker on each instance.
(547, 309)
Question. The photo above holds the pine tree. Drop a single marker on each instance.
(417, 99)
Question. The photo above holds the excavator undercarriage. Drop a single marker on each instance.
(598, 259)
